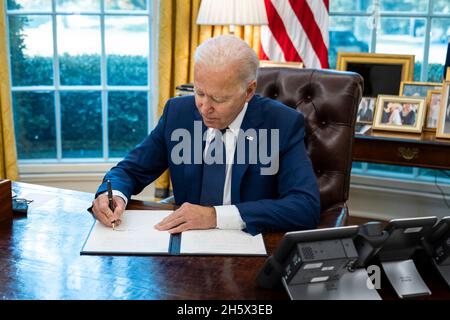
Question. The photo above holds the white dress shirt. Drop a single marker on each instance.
(228, 216)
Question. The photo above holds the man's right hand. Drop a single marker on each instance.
(102, 212)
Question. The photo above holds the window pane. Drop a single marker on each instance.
(41, 5)
(441, 6)
(403, 36)
(350, 5)
(31, 50)
(34, 123)
(78, 5)
(79, 49)
(126, 5)
(127, 121)
(127, 50)
(442, 176)
(349, 34)
(81, 123)
(405, 5)
(440, 37)
(389, 170)
(357, 165)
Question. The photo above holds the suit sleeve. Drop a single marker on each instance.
(142, 165)
(298, 204)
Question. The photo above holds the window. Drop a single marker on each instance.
(80, 77)
(419, 27)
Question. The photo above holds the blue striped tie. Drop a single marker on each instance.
(214, 168)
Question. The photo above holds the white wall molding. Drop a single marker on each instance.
(370, 197)
(422, 187)
(76, 176)
(383, 198)
(34, 168)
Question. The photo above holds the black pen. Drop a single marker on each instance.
(110, 199)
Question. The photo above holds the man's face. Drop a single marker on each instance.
(219, 94)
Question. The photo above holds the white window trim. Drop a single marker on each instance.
(377, 14)
(151, 88)
(391, 185)
(398, 186)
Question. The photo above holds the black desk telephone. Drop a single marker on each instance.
(330, 263)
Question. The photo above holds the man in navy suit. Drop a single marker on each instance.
(264, 180)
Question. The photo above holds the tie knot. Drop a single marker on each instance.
(224, 130)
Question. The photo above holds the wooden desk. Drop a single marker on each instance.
(423, 150)
(40, 259)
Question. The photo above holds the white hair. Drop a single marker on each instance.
(226, 50)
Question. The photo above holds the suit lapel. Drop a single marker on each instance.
(193, 172)
(252, 120)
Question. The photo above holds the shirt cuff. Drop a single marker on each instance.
(228, 217)
(118, 193)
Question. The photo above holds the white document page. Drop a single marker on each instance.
(217, 241)
(136, 234)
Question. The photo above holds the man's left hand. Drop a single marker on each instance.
(189, 216)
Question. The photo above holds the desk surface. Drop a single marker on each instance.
(40, 259)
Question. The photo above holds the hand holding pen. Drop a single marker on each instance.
(107, 208)
(110, 201)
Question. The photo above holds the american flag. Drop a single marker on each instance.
(297, 31)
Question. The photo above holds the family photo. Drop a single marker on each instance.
(447, 116)
(365, 110)
(443, 125)
(418, 89)
(395, 113)
(434, 107)
(400, 114)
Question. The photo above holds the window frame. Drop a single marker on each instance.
(151, 88)
(377, 14)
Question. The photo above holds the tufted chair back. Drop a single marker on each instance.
(329, 101)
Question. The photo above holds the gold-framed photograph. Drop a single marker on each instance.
(401, 114)
(418, 89)
(382, 73)
(282, 64)
(366, 110)
(443, 127)
(433, 110)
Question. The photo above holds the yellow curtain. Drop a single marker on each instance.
(179, 35)
(8, 157)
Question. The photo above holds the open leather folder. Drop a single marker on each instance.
(136, 235)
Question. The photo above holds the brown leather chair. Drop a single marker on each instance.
(328, 100)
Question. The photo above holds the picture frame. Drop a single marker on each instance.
(447, 74)
(443, 127)
(373, 67)
(418, 89)
(366, 110)
(400, 114)
(282, 64)
(433, 109)
(362, 128)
